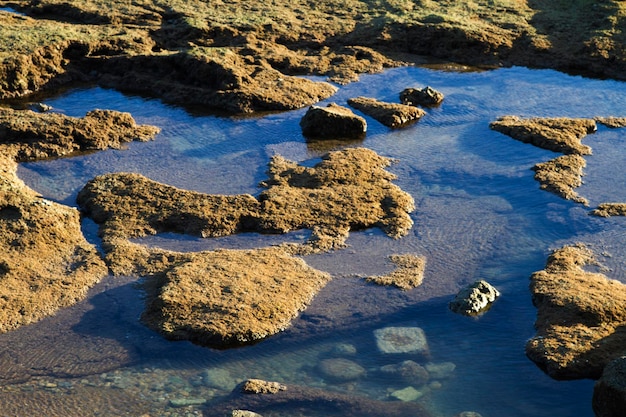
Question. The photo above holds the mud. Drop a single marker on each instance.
(580, 316)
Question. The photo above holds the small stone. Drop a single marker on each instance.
(245, 413)
(426, 96)
(343, 349)
(259, 386)
(186, 401)
(408, 371)
(401, 340)
(218, 378)
(468, 414)
(407, 394)
(341, 370)
(474, 299)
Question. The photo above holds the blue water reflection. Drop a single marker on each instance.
(480, 214)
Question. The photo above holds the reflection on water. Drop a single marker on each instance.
(480, 214)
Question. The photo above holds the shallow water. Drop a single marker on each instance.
(480, 214)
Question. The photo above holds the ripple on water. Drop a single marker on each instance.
(479, 214)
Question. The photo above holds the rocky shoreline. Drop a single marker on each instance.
(240, 58)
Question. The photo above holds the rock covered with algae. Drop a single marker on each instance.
(223, 298)
(392, 115)
(408, 274)
(45, 262)
(580, 316)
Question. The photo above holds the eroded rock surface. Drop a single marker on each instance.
(609, 393)
(408, 274)
(610, 209)
(474, 299)
(45, 262)
(581, 316)
(426, 97)
(332, 122)
(561, 176)
(230, 297)
(393, 115)
(562, 135)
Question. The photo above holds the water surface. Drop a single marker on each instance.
(480, 214)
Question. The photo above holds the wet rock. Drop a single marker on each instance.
(408, 274)
(561, 175)
(346, 188)
(259, 386)
(468, 414)
(32, 135)
(611, 122)
(440, 370)
(343, 349)
(609, 209)
(427, 97)
(340, 370)
(581, 316)
(401, 340)
(186, 402)
(218, 378)
(474, 299)
(390, 114)
(407, 394)
(409, 372)
(231, 297)
(244, 413)
(609, 392)
(309, 400)
(562, 135)
(332, 122)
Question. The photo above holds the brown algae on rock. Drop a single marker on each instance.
(561, 176)
(348, 189)
(230, 297)
(408, 274)
(392, 115)
(562, 135)
(45, 262)
(580, 316)
(609, 209)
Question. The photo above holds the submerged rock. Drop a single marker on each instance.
(440, 370)
(390, 114)
(610, 209)
(244, 413)
(580, 316)
(474, 299)
(340, 369)
(407, 394)
(402, 340)
(609, 393)
(409, 372)
(296, 400)
(556, 134)
(427, 97)
(332, 122)
(408, 274)
(561, 175)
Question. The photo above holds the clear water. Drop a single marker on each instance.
(480, 214)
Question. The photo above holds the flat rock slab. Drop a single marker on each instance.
(332, 122)
(581, 316)
(232, 297)
(392, 115)
(562, 135)
(401, 340)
